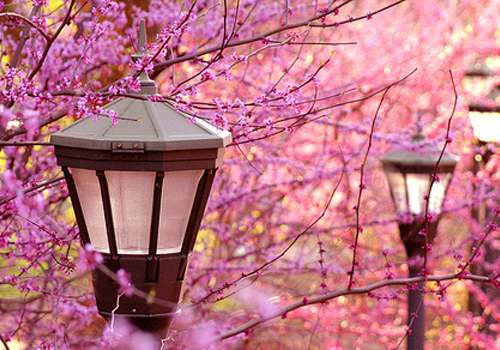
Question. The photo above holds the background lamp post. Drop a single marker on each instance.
(484, 117)
(409, 174)
(139, 191)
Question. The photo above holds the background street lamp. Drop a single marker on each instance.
(484, 117)
(139, 190)
(410, 175)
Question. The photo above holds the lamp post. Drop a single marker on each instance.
(410, 175)
(484, 117)
(139, 191)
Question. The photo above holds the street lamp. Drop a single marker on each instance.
(139, 191)
(410, 175)
(484, 117)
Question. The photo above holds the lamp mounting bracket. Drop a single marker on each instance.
(127, 147)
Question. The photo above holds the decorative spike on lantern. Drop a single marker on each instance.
(141, 45)
(148, 86)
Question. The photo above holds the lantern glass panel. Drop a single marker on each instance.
(418, 187)
(438, 193)
(398, 188)
(486, 125)
(179, 191)
(131, 197)
(89, 193)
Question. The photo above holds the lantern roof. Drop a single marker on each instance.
(491, 102)
(142, 124)
(419, 160)
(479, 68)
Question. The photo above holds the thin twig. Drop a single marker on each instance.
(354, 246)
(27, 20)
(34, 188)
(290, 245)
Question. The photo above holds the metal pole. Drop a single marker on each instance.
(416, 313)
(414, 244)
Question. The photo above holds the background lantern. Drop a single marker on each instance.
(484, 117)
(139, 190)
(410, 175)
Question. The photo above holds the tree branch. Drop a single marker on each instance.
(348, 291)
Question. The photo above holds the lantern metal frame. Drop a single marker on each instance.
(156, 268)
(407, 162)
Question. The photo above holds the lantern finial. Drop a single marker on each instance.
(419, 135)
(142, 38)
(148, 86)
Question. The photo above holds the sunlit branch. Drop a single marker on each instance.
(45, 52)
(348, 291)
(354, 246)
(447, 140)
(318, 43)
(352, 20)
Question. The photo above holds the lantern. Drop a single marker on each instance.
(410, 175)
(139, 191)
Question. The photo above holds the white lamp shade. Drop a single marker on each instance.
(409, 191)
(179, 190)
(486, 125)
(131, 198)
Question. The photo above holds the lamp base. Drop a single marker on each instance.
(413, 240)
(158, 298)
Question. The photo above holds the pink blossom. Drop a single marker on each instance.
(208, 76)
(124, 280)
(93, 258)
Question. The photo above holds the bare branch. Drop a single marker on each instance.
(348, 291)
